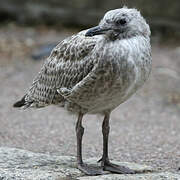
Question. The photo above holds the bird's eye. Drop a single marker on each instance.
(121, 22)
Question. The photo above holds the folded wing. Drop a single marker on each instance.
(67, 65)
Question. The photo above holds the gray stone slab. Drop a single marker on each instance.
(20, 164)
(147, 176)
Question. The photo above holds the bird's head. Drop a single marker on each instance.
(121, 23)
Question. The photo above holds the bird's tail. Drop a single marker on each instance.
(22, 103)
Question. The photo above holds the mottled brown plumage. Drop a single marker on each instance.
(94, 71)
(65, 67)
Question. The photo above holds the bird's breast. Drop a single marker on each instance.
(120, 70)
(125, 71)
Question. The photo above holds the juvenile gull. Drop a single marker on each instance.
(93, 72)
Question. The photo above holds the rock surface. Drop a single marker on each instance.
(21, 164)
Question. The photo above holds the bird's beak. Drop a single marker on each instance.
(96, 31)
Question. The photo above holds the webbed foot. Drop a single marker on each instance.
(91, 171)
(108, 166)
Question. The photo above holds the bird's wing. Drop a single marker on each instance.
(97, 84)
(67, 65)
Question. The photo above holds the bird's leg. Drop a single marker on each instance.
(105, 163)
(105, 132)
(79, 135)
(81, 166)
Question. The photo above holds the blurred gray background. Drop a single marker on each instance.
(163, 15)
(145, 129)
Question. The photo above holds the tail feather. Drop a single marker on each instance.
(24, 104)
(20, 103)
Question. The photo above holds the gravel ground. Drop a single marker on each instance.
(145, 129)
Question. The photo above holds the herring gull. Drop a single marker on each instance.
(93, 72)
